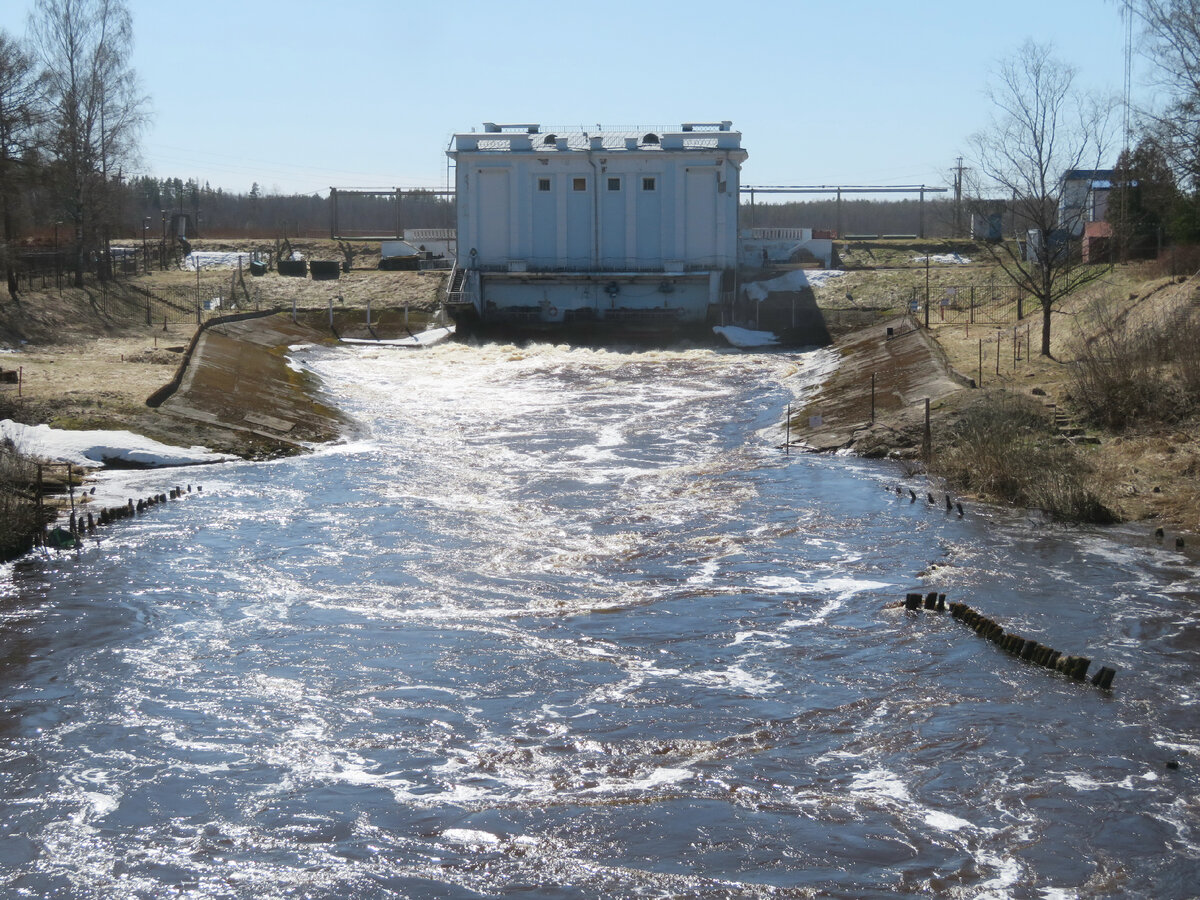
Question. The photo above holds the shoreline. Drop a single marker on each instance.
(233, 392)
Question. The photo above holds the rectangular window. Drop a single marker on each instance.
(579, 184)
(614, 184)
(543, 184)
(649, 184)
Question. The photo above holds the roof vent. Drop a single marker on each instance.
(650, 138)
(549, 140)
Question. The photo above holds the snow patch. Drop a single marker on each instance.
(945, 259)
(97, 448)
(215, 259)
(795, 280)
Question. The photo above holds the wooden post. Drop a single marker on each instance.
(40, 508)
(927, 449)
(331, 313)
(926, 284)
(71, 492)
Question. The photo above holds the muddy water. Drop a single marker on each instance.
(564, 623)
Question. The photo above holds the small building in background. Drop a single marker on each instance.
(1084, 198)
(631, 228)
(1097, 242)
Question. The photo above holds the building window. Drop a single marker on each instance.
(543, 184)
(649, 184)
(614, 184)
(579, 184)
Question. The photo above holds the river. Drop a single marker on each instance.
(567, 623)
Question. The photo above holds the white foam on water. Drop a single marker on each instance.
(734, 678)
(943, 821)
(880, 783)
(1008, 873)
(97, 806)
(1082, 782)
(470, 837)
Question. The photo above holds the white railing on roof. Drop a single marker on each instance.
(429, 234)
(778, 234)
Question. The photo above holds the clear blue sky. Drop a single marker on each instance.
(366, 93)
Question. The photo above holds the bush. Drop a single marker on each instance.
(1005, 448)
(18, 509)
(1122, 377)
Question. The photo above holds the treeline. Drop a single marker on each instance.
(157, 205)
(933, 218)
(71, 115)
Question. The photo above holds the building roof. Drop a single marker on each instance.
(1095, 176)
(535, 138)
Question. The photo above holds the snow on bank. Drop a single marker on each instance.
(795, 280)
(215, 259)
(97, 448)
(948, 259)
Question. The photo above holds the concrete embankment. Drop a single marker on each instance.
(235, 389)
(874, 402)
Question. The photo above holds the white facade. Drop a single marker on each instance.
(562, 226)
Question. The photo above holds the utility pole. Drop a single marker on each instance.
(958, 186)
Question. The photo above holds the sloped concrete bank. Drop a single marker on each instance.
(235, 389)
(874, 402)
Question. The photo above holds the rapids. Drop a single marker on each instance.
(567, 623)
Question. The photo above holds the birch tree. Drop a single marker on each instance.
(96, 108)
(1041, 129)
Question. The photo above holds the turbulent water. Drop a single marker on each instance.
(566, 623)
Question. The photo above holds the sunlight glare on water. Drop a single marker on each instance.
(565, 622)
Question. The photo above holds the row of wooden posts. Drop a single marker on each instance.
(81, 524)
(1075, 667)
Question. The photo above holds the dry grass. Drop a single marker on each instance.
(1125, 374)
(18, 510)
(1006, 448)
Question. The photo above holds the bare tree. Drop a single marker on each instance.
(1041, 130)
(96, 108)
(19, 115)
(1171, 36)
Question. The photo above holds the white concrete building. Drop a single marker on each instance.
(633, 228)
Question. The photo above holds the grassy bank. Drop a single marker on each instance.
(1005, 447)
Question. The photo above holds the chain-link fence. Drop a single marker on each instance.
(984, 304)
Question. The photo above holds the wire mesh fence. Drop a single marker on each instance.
(970, 304)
